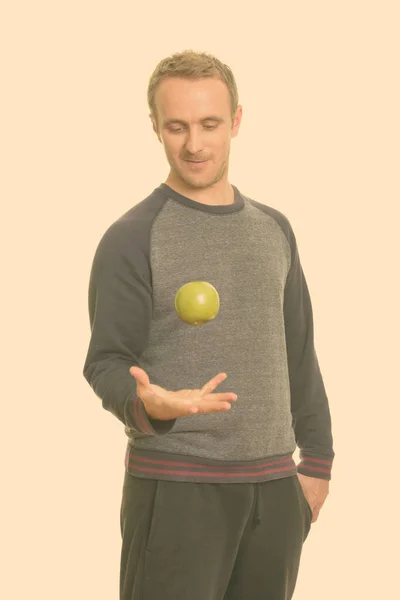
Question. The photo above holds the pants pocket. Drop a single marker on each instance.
(155, 514)
(305, 503)
(309, 510)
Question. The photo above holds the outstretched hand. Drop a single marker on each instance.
(164, 405)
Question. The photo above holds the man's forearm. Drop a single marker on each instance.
(312, 419)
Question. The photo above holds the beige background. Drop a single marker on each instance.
(319, 141)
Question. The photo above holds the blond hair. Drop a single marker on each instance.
(190, 64)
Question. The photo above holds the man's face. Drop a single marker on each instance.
(195, 124)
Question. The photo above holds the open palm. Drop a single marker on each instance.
(164, 404)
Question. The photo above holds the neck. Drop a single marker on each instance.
(216, 195)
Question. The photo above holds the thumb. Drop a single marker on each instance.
(140, 376)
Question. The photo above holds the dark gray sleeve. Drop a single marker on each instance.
(309, 403)
(120, 312)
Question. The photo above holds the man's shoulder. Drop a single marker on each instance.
(132, 229)
(139, 216)
(281, 219)
(143, 211)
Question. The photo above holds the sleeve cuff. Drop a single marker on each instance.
(315, 466)
(136, 418)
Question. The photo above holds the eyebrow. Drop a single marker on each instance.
(168, 122)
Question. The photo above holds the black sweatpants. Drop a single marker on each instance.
(208, 541)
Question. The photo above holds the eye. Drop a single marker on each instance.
(179, 129)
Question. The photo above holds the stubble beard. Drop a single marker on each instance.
(199, 183)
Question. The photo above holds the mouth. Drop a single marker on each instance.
(196, 162)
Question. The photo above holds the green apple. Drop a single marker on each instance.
(197, 302)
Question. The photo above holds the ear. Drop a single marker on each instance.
(237, 120)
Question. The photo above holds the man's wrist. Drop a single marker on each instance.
(313, 465)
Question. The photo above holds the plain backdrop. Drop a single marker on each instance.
(319, 141)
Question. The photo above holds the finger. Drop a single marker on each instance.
(316, 511)
(140, 376)
(214, 403)
(213, 383)
(222, 397)
(209, 407)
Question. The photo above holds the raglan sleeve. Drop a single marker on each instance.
(309, 403)
(120, 312)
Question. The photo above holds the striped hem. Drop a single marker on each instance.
(138, 419)
(316, 467)
(174, 467)
(141, 417)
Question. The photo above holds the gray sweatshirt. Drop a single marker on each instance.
(262, 338)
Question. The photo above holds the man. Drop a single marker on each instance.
(213, 505)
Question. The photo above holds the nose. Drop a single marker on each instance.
(194, 143)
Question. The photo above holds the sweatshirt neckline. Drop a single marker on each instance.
(237, 205)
